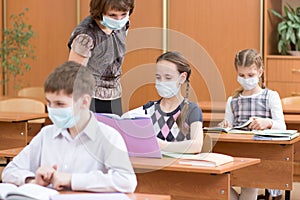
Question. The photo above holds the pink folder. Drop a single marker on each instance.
(138, 134)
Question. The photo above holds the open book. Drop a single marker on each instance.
(201, 159)
(237, 129)
(27, 192)
(138, 134)
(270, 134)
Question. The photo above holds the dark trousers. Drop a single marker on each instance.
(107, 106)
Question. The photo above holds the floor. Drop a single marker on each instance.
(295, 193)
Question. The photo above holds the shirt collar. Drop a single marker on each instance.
(90, 130)
(92, 127)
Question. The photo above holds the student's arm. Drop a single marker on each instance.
(23, 167)
(81, 48)
(277, 120)
(229, 117)
(276, 111)
(118, 175)
(194, 145)
(188, 146)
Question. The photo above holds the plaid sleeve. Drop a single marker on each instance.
(82, 45)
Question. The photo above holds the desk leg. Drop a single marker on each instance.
(185, 185)
(287, 195)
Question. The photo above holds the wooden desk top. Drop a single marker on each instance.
(246, 138)
(133, 196)
(19, 117)
(10, 153)
(172, 164)
(218, 117)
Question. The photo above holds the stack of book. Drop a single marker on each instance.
(271, 134)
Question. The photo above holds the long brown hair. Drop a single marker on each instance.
(182, 66)
(246, 58)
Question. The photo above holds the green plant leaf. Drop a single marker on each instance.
(282, 26)
(276, 14)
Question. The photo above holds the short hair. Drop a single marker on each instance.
(101, 7)
(71, 78)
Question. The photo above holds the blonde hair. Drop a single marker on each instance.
(246, 58)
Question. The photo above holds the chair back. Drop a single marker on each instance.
(32, 92)
(23, 105)
(293, 100)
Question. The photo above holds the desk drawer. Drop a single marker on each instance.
(285, 89)
(283, 70)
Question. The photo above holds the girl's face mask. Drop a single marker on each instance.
(167, 89)
(248, 83)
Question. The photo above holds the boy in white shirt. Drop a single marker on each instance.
(77, 152)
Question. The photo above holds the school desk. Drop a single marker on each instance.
(14, 128)
(133, 196)
(167, 176)
(212, 119)
(275, 171)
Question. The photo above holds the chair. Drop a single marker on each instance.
(33, 92)
(24, 105)
(293, 100)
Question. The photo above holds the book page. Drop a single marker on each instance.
(135, 113)
(276, 132)
(244, 125)
(33, 191)
(6, 188)
(201, 159)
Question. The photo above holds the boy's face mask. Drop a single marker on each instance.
(114, 24)
(63, 117)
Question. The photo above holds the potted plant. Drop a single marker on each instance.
(288, 30)
(16, 50)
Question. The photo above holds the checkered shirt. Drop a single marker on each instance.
(165, 125)
(244, 108)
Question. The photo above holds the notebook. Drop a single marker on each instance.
(138, 134)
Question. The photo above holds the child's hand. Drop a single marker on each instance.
(43, 175)
(225, 124)
(61, 181)
(260, 123)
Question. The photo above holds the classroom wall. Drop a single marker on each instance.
(208, 34)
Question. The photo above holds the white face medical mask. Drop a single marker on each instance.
(114, 24)
(63, 117)
(167, 89)
(248, 83)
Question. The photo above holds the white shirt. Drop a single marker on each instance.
(97, 158)
(275, 107)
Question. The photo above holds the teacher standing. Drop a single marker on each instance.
(99, 42)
